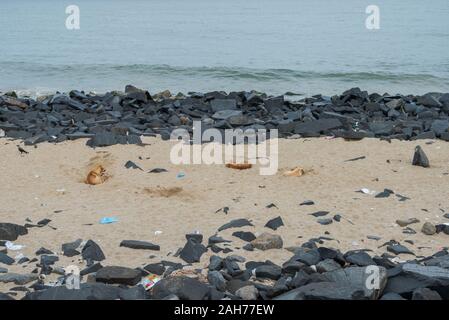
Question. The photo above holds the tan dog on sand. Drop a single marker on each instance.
(96, 176)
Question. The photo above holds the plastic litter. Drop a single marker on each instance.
(13, 247)
(108, 220)
(367, 191)
(157, 232)
(149, 281)
(2, 133)
(180, 175)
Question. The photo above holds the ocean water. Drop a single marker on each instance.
(275, 46)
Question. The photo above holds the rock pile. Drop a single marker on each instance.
(122, 118)
(312, 272)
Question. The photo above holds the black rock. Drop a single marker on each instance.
(319, 214)
(269, 271)
(87, 291)
(359, 258)
(43, 222)
(308, 257)
(324, 221)
(71, 252)
(307, 203)
(216, 263)
(237, 223)
(192, 251)
(425, 294)
(216, 279)
(184, 287)
(11, 231)
(92, 252)
(384, 194)
(5, 259)
(102, 139)
(196, 237)
(217, 239)
(48, 260)
(136, 244)
(274, 223)
(4, 296)
(155, 268)
(414, 276)
(91, 269)
(118, 275)
(244, 235)
(420, 158)
(131, 165)
(158, 170)
(71, 245)
(399, 249)
(43, 251)
(314, 128)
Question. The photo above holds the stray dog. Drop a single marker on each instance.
(96, 176)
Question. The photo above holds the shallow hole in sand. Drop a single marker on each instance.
(164, 192)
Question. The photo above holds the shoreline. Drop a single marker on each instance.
(123, 117)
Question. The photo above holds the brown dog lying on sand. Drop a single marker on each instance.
(239, 166)
(96, 176)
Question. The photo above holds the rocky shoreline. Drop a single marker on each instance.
(123, 117)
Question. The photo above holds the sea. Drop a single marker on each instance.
(304, 47)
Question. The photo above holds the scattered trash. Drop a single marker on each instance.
(149, 281)
(13, 247)
(367, 191)
(157, 232)
(295, 172)
(239, 166)
(108, 220)
(96, 176)
(180, 175)
(2, 133)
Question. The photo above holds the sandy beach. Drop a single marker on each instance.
(48, 183)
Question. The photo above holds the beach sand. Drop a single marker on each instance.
(49, 183)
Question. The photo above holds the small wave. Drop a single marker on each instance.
(233, 73)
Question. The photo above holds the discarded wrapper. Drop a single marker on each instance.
(13, 247)
(180, 175)
(108, 220)
(149, 281)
